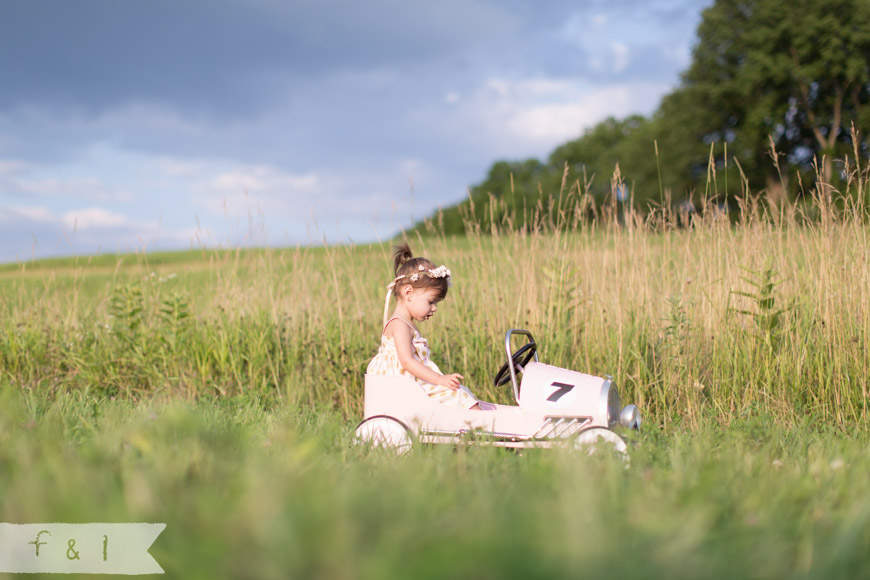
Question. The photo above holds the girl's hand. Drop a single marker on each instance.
(451, 381)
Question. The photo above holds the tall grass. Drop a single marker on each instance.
(700, 316)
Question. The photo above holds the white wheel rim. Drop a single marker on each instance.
(384, 432)
(605, 440)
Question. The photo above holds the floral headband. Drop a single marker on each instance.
(439, 272)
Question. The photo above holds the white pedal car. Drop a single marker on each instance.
(555, 406)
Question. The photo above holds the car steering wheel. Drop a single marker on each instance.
(519, 360)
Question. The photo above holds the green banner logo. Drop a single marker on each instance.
(79, 548)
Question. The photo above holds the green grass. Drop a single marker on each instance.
(249, 493)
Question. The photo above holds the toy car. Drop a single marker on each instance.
(554, 406)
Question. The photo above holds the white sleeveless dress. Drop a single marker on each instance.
(386, 362)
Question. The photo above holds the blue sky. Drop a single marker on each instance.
(130, 125)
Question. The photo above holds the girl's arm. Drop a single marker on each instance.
(404, 348)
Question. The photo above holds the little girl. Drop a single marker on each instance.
(418, 287)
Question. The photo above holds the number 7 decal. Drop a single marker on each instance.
(562, 389)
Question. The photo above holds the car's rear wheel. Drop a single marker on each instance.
(385, 432)
(599, 440)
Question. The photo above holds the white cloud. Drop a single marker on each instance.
(620, 56)
(12, 214)
(529, 116)
(153, 117)
(564, 120)
(95, 218)
(216, 202)
(544, 88)
(177, 167)
(608, 41)
(679, 53)
(11, 166)
(38, 232)
(234, 188)
(263, 179)
(91, 188)
(501, 88)
(84, 178)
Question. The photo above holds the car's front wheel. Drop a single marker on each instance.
(600, 440)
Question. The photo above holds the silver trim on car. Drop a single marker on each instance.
(561, 427)
(552, 428)
(608, 405)
(630, 417)
(507, 347)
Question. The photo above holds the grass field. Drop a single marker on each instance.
(216, 391)
(249, 493)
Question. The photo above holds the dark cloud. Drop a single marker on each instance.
(217, 54)
(102, 96)
(236, 78)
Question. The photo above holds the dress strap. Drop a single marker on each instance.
(398, 318)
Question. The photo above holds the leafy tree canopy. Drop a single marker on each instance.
(794, 72)
(789, 75)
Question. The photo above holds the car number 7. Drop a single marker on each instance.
(562, 389)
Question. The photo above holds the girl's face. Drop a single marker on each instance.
(423, 303)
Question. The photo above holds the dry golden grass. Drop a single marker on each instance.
(696, 317)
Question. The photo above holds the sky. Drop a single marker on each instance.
(145, 125)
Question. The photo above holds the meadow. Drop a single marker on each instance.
(216, 390)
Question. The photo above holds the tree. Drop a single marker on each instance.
(794, 73)
(628, 142)
(511, 189)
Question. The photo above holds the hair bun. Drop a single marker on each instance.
(401, 256)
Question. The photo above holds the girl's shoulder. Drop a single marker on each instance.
(390, 324)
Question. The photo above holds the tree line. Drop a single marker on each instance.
(775, 102)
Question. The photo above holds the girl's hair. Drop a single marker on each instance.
(405, 266)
